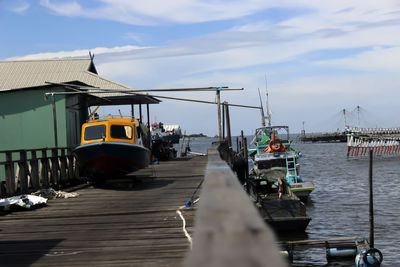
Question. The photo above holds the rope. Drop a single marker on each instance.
(189, 238)
(190, 202)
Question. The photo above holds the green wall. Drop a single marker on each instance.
(26, 120)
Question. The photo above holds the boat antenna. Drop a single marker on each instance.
(261, 109)
(268, 108)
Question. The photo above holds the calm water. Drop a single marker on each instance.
(339, 203)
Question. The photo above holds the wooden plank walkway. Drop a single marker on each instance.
(119, 225)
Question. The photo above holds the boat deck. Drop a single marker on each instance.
(120, 224)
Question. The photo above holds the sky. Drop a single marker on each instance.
(315, 57)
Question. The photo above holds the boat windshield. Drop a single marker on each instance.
(281, 132)
(95, 132)
(121, 132)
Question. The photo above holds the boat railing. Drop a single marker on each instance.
(27, 170)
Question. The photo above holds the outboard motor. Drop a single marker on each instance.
(368, 258)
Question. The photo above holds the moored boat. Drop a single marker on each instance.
(111, 147)
(274, 158)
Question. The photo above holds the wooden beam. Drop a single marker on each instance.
(228, 229)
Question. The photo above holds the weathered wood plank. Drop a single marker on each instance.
(123, 224)
(228, 229)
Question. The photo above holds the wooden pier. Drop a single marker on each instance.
(136, 223)
(324, 137)
(121, 224)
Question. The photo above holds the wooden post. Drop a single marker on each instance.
(70, 158)
(23, 172)
(63, 167)
(44, 172)
(371, 202)
(140, 114)
(228, 125)
(55, 121)
(10, 175)
(182, 144)
(34, 170)
(219, 114)
(242, 138)
(55, 178)
(246, 158)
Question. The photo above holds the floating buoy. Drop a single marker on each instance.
(369, 258)
(340, 252)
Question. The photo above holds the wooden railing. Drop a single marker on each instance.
(228, 229)
(25, 171)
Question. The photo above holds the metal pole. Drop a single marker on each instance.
(140, 114)
(148, 116)
(228, 124)
(148, 126)
(55, 121)
(371, 202)
(132, 111)
(219, 114)
(223, 120)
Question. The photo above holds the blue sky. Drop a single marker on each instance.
(319, 56)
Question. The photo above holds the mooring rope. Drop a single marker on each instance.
(184, 222)
(189, 238)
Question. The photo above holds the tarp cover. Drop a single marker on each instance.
(24, 201)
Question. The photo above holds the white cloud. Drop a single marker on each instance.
(21, 9)
(18, 6)
(78, 53)
(379, 59)
(239, 57)
(154, 12)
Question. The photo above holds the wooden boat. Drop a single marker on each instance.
(280, 208)
(111, 147)
(274, 158)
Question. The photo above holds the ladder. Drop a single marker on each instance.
(291, 171)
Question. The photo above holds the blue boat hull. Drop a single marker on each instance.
(108, 158)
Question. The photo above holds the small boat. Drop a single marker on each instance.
(274, 158)
(111, 147)
(169, 133)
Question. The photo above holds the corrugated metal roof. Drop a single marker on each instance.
(32, 73)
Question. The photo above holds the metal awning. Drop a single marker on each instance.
(105, 97)
(121, 99)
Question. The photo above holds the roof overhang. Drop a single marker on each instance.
(129, 99)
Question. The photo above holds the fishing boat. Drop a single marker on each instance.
(111, 147)
(274, 157)
(169, 133)
(274, 182)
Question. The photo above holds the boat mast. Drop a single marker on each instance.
(262, 109)
(268, 109)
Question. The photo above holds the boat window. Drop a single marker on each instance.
(121, 132)
(95, 132)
